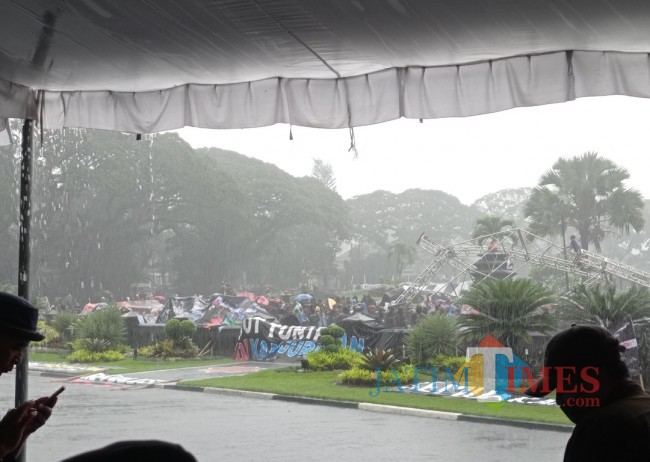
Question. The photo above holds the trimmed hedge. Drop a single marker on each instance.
(358, 376)
(323, 360)
(85, 356)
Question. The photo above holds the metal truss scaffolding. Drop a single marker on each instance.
(509, 253)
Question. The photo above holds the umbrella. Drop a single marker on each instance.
(303, 298)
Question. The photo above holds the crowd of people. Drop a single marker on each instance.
(323, 312)
(318, 312)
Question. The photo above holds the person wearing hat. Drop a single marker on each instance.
(19, 327)
(583, 365)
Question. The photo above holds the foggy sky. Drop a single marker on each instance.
(466, 157)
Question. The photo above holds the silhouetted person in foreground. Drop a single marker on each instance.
(18, 327)
(583, 365)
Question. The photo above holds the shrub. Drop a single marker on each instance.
(379, 359)
(106, 324)
(52, 337)
(442, 362)
(164, 350)
(95, 345)
(172, 328)
(188, 328)
(62, 322)
(435, 334)
(358, 376)
(180, 333)
(326, 340)
(330, 338)
(333, 330)
(85, 356)
(176, 330)
(323, 360)
(168, 349)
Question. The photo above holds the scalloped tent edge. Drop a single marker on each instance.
(322, 64)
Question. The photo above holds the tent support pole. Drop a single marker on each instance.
(24, 249)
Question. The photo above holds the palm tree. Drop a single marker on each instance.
(587, 193)
(508, 310)
(403, 254)
(324, 173)
(606, 307)
(488, 225)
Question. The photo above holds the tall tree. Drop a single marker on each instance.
(209, 214)
(403, 254)
(298, 223)
(110, 211)
(509, 310)
(381, 218)
(89, 224)
(586, 193)
(324, 173)
(488, 225)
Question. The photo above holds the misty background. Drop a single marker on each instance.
(110, 211)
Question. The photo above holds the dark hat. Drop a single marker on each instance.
(577, 346)
(19, 317)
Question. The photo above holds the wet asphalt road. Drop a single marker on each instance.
(217, 428)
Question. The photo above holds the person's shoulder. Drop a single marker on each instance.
(622, 416)
(612, 434)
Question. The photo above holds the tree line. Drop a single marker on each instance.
(109, 211)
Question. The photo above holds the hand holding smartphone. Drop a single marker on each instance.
(56, 393)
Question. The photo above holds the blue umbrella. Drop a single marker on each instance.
(303, 298)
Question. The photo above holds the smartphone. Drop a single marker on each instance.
(57, 393)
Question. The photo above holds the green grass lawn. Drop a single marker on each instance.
(290, 381)
(130, 365)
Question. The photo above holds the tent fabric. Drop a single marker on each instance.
(393, 339)
(359, 326)
(144, 67)
(359, 317)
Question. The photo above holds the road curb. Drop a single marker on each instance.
(516, 423)
(60, 375)
(173, 386)
(409, 411)
(241, 393)
(316, 401)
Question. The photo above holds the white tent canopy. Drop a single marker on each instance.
(146, 66)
